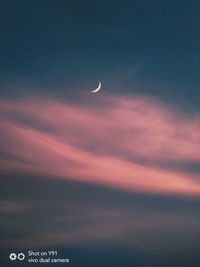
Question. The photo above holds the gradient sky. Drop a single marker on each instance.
(107, 179)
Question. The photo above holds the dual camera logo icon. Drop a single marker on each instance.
(19, 256)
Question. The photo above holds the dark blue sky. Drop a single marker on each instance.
(145, 47)
(53, 194)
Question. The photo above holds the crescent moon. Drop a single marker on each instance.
(97, 89)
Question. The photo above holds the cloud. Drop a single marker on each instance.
(60, 212)
(12, 207)
(132, 143)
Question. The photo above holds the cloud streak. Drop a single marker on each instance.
(50, 212)
(133, 143)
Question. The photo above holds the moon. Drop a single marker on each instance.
(97, 89)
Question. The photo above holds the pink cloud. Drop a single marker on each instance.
(12, 206)
(124, 142)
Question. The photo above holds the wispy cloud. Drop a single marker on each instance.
(60, 212)
(133, 143)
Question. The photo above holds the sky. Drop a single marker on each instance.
(110, 178)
